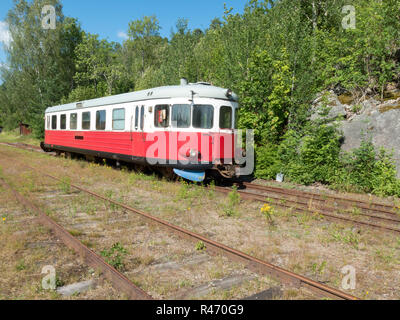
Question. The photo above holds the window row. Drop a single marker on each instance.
(177, 116)
(200, 116)
(118, 120)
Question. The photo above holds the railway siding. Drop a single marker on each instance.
(290, 243)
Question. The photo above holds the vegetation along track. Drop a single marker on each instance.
(256, 265)
(331, 207)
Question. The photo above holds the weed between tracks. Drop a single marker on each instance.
(298, 242)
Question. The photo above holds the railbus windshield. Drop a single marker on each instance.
(203, 116)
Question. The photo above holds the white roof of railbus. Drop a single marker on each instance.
(200, 90)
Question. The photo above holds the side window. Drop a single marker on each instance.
(86, 121)
(73, 121)
(48, 122)
(54, 122)
(63, 122)
(119, 119)
(137, 118)
(180, 116)
(101, 120)
(203, 116)
(142, 118)
(161, 116)
(225, 118)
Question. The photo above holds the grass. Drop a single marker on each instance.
(14, 137)
(200, 246)
(230, 209)
(115, 256)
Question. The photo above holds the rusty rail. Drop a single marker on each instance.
(119, 281)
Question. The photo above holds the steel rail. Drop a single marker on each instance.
(118, 280)
(254, 264)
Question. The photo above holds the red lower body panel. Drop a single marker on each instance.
(164, 145)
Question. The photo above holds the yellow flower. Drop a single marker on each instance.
(4, 219)
(266, 208)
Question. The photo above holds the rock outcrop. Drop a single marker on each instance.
(375, 119)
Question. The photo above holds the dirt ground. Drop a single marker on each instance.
(301, 243)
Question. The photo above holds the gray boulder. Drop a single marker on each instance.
(379, 121)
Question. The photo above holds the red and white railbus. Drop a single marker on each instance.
(186, 129)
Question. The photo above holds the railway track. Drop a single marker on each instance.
(91, 258)
(379, 216)
(300, 202)
(258, 266)
(368, 207)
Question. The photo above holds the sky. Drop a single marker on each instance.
(110, 18)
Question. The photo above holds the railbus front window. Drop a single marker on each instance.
(54, 122)
(73, 121)
(161, 116)
(203, 116)
(86, 121)
(225, 118)
(63, 122)
(101, 120)
(119, 119)
(181, 116)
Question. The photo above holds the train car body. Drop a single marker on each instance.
(187, 128)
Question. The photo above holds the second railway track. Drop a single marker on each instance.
(299, 201)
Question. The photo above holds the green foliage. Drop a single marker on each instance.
(371, 171)
(200, 246)
(115, 256)
(233, 201)
(311, 156)
(265, 96)
(314, 156)
(40, 64)
(65, 185)
(267, 162)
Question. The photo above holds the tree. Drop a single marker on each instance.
(40, 62)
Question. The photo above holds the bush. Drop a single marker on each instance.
(267, 162)
(314, 155)
(309, 157)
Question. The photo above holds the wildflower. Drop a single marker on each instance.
(266, 208)
(267, 211)
(4, 219)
